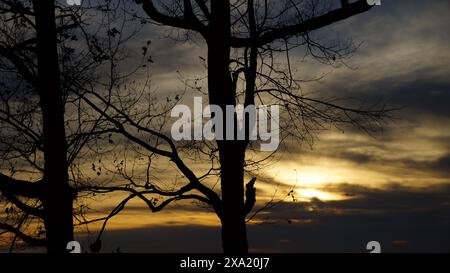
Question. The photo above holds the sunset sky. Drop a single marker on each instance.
(349, 187)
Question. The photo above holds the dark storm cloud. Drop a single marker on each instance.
(442, 164)
(393, 197)
(403, 60)
(414, 95)
(359, 158)
(439, 166)
(366, 202)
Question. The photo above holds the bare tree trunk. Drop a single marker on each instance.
(232, 153)
(58, 196)
(234, 232)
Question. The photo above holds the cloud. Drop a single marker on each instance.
(359, 158)
(442, 164)
(439, 166)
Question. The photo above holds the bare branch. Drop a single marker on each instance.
(308, 25)
(20, 187)
(188, 21)
(21, 235)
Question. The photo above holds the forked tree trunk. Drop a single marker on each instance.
(57, 199)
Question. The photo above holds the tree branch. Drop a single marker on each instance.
(19, 187)
(22, 206)
(188, 21)
(21, 67)
(250, 196)
(311, 24)
(26, 238)
(204, 8)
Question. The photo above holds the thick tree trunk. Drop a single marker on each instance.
(58, 196)
(234, 232)
(232, 153)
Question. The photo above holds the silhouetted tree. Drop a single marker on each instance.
(244, 39)
(53, 190)
(57, 195)
(256, 29)
(46, 51)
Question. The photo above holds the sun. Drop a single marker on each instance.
(309, 176)
(308, 194)
(308, 182)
